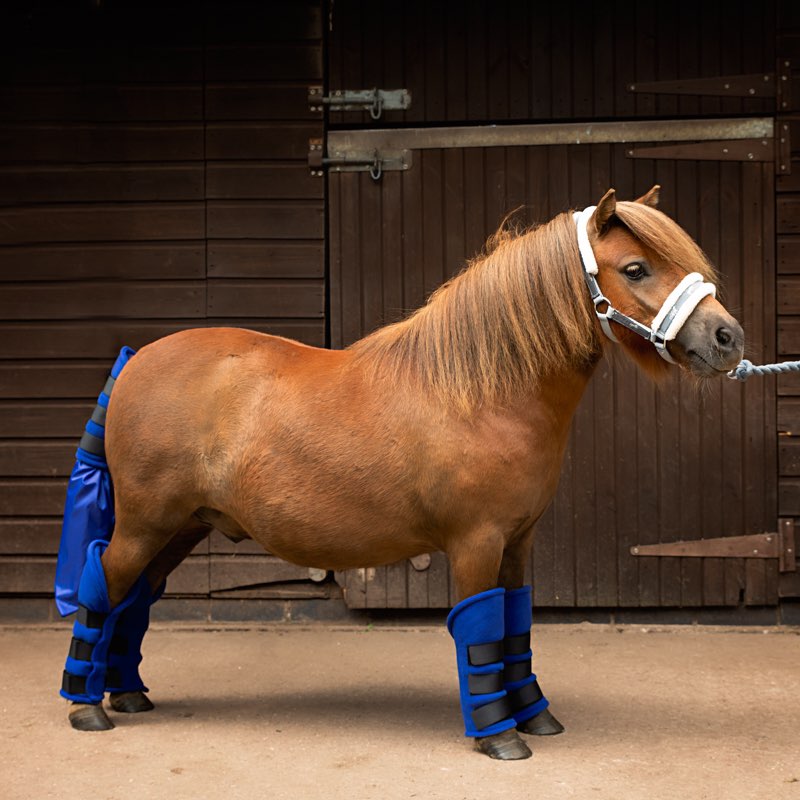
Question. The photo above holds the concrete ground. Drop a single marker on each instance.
(324, 712)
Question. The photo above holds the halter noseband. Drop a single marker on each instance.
(674, 312)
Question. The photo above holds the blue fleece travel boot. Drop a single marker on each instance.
(125, 654)
(87, 669)
(476, 625)
(528, 704)
(89, 507)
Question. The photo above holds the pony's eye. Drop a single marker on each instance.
(635, 272)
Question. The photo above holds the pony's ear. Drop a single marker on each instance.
(651, 198)
(605, 210)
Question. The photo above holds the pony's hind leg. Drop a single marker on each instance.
(131, 698)
(531, 711)
(113, 583)
(476, 624)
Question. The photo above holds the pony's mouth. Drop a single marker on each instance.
(700, 366)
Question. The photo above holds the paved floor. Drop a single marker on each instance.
(323, 712)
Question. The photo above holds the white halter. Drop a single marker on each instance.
(677, 308)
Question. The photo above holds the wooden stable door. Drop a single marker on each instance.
(645, 464)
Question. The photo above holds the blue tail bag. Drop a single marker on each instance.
(89, 508)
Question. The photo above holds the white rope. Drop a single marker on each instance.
(747, 368)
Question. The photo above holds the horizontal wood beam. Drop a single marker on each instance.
(345, 143)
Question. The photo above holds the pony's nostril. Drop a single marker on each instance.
(724, 337)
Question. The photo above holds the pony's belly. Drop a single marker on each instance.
(338, 548)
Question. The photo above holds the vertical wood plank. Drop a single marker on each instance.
(691, 430)
(391, 262)
(584, 490)
(370, 250)
(603, 388)
(432, 237)
(713, 580)
(397, 584)
(732, 451)
(770, 421)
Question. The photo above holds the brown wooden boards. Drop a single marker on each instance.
(152, 178)
(645, 464)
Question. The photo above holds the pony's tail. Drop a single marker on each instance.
(89, 507)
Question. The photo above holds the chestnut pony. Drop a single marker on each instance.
(442, 432)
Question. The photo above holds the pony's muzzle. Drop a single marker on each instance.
(712, 341)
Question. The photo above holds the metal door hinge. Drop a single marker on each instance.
(376, 101)
(780, 545)
(776, 148)
(374, 161)
(719, 150)
(758, 84)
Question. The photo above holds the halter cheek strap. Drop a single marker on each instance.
(672, 315)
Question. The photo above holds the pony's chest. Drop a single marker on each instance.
(507, 473)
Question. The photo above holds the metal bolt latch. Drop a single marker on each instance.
(374, 100)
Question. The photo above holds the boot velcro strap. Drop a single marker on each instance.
(80, 651)
(92, 444)
(482, 654)
(516, 672)
(89, 618)
(493, 712)
(525, 696)
(517, 645)
(99, 415)
(485, 684)
(73, 684)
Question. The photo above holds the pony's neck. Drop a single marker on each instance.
(512, 320)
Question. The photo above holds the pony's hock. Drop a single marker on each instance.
(329, 459)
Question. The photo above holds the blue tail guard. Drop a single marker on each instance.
(89, 508)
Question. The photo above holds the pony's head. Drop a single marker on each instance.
(642, 256)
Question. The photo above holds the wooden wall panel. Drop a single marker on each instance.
(92, 260)
(146, 186)
(92, 143)
(98, 103)
(117, 299)
(101, 183)
(515, 60)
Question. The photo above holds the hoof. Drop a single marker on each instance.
(130, 702)
(505, 746)
(89, 718)
(543, 724)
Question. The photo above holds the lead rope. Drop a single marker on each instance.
(747, 368)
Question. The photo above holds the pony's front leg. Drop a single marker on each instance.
(530, 707)
(477, 625)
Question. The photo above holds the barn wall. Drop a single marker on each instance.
(707, 466)
(152, 178)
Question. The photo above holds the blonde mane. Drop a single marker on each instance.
(517, 312)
